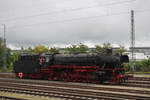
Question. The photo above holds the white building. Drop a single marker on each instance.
(140, 53)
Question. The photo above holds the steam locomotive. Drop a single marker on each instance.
(91, 67)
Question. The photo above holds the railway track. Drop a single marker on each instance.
(141, 78)
(143, 82)
(79, 85)
(138, 82)
(70, 93)
(130, 83)
(10, 98)
(72, 90)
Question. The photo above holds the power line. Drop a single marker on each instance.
(84, 18)
(142, 11)
(81, 18)
(69, 10)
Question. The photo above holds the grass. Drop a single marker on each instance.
(142, 72)
(139, 72)
(28, 97)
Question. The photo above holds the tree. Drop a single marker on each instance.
(54, 50)
(22, 49)
(99, 49)
(107, 46)
(73, 49)
(40, 49)
(13, 57)
(1, 41)
(1, 52)
(30, 50)
(82, 48)
(121, 50)
(141, 66)
(9, 60)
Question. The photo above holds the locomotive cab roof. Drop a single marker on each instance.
(26, 56)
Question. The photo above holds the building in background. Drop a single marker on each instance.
(140, 53)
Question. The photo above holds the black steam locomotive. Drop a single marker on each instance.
(91, 67)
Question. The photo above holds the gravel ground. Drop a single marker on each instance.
(29, 97)
(7, 75)
(141, 75)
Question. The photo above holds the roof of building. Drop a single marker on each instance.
(141, 47)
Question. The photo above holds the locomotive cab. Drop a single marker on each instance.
(26, 64)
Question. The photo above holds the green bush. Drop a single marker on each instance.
(140, 66)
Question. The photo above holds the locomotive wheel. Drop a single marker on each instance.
(65, 77)
(101, 82)
(75, 77)
(84, 81)
(50, 79)
(121, 80)
(95, 81)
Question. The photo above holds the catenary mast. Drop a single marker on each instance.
(132, 45)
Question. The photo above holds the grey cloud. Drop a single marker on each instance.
(43, 29)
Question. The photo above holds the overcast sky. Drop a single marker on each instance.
(63, 22)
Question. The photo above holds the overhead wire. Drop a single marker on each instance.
(85, 18)
(74, 19)
(68, 10)
(143, 10)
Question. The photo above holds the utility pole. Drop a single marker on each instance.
(132, 45)
(4, 53)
